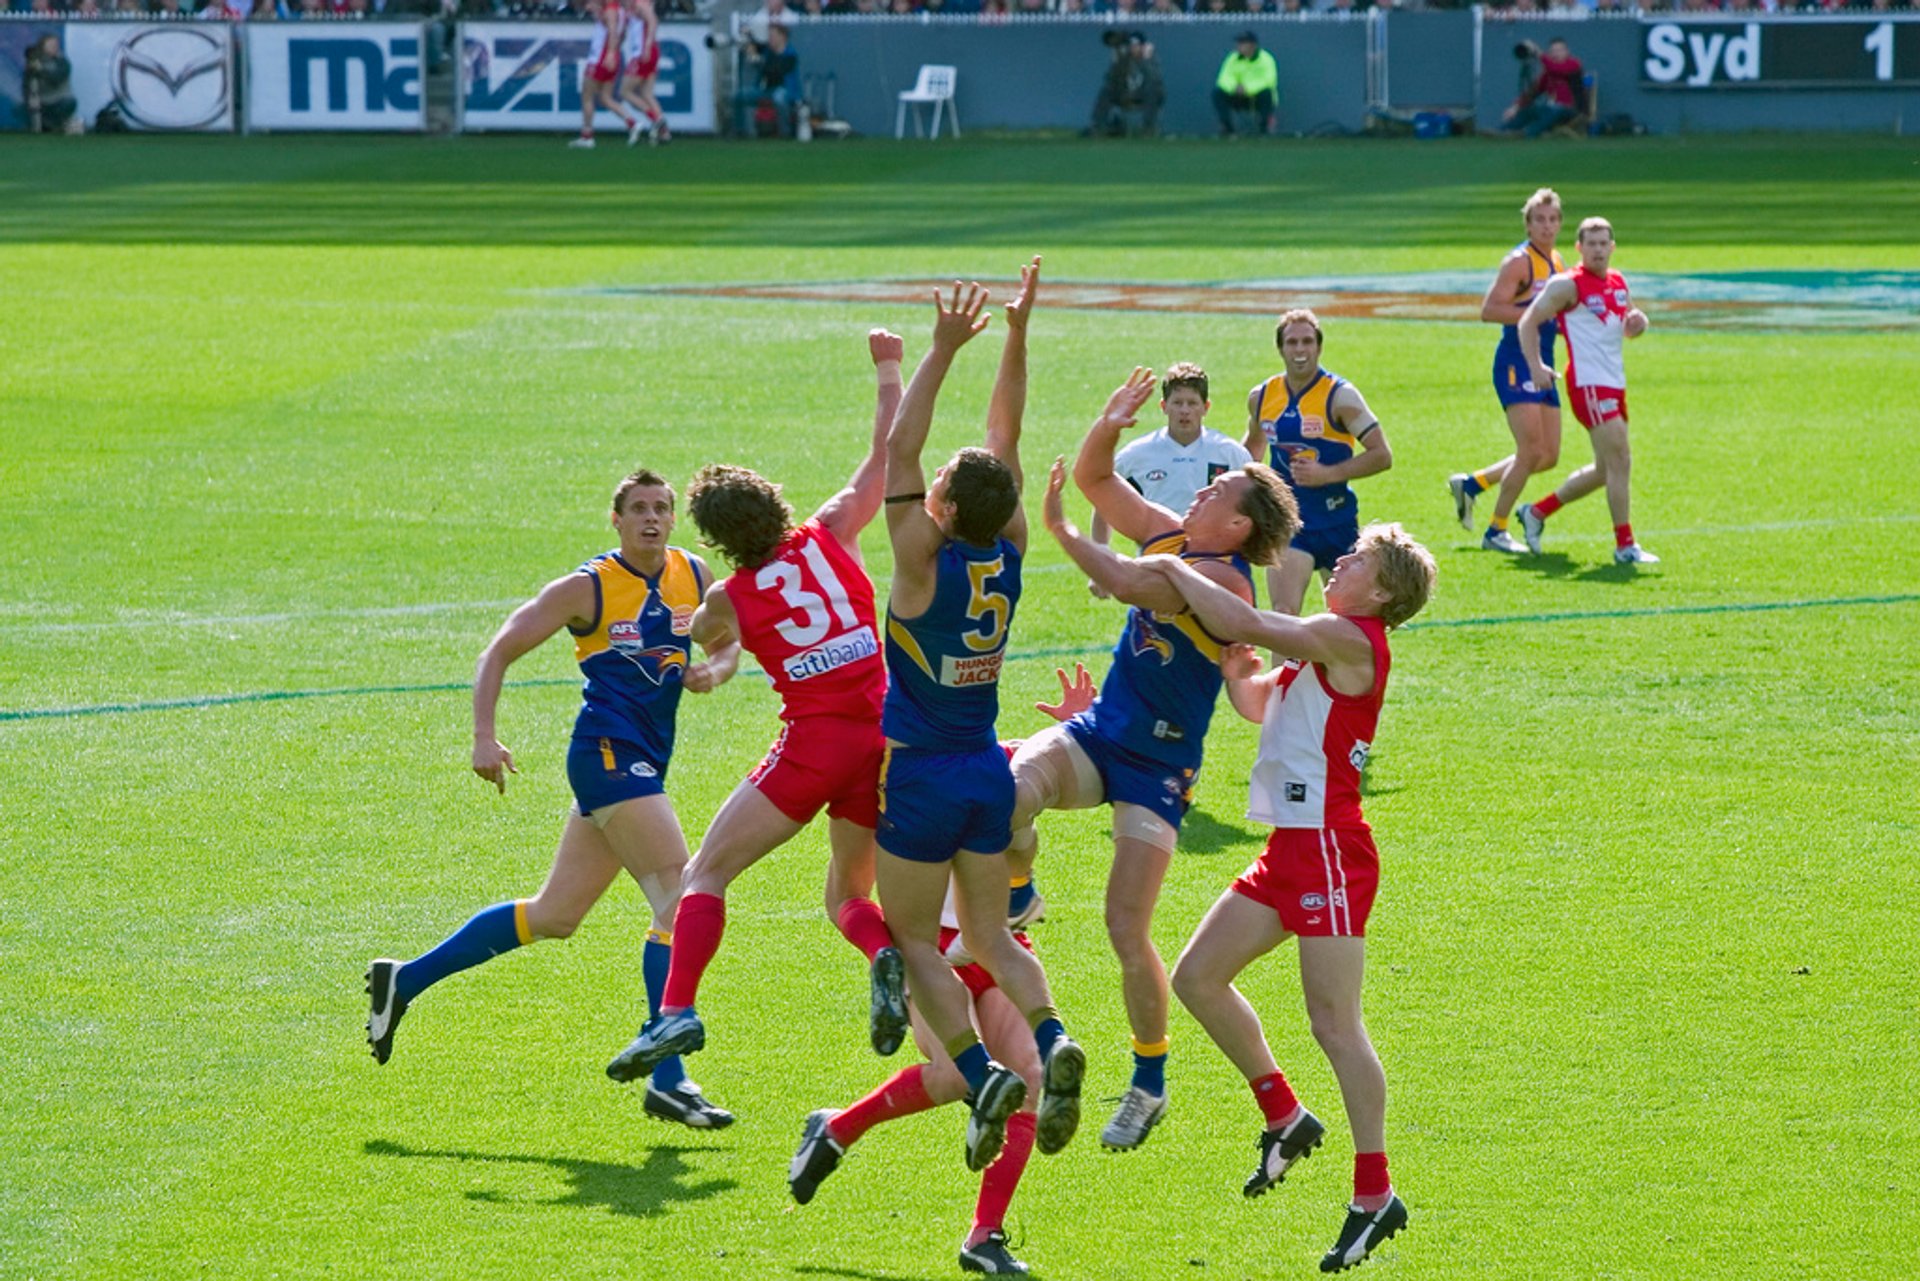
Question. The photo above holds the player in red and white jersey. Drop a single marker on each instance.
(600, 73)
(802, 605)
(641, 50)
(1318, 712)
(1596, 314)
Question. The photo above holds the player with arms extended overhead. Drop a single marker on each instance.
(1318, 712)
(632, 612)
(802, 605)
(1533, 411)
(600, 73)
(1318, 433)
(1139, 747)
(641, 52)
(1596, 314)
(946, 791)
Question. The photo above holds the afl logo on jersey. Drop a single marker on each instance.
(1157, 475)
(1597, 304)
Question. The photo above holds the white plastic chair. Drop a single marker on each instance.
(935, 85)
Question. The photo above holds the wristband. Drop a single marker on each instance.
(905, 498)
(888, 372)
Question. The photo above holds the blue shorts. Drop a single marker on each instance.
(606, 771)
(933, 805)
(1513, 382)
(1165, 789)
(1327, 543)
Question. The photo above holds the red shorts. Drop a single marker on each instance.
(977, 977)
(645, 65)
(1321, 882)
(1596, 405)
(824, 761)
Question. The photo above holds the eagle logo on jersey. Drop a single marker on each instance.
(1145, 638)
(656, 662)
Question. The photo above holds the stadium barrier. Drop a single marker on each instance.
(1672, 73)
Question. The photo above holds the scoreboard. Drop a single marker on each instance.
(1876, 52)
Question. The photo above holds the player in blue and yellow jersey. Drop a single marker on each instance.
(1315, 428)
(1533, 412)
(946, 790)
(631, 612)
(1139, 747)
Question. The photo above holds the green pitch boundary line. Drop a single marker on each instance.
(447, 687)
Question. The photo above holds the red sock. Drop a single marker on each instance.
(1547, 506)
(904, 1093)
(863, 926)
(1275, 1097)
(697, 928)
(1370, 1175)
(1623, 535)
(1002, 1177)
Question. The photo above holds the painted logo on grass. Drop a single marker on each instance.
(1766, 302)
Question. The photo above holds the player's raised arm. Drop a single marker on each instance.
(569, 601)
(1123, 506)
(1006, 411)
(915, 534)
(849, 511)
(1559, 295)
(1121, 576)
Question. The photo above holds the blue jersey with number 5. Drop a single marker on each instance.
(943, 668)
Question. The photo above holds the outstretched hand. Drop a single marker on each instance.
(1076, 695)
(1053, 509)
(1021, 308)
(1123, 407)
(885, 346)
(954, 325)
(1239, 662)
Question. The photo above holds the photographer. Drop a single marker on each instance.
(776, 81)
(1551, 89)
(46, 82)
(1133, 84)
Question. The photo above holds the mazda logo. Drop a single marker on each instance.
(172, 78)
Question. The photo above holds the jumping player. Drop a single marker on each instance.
(632, 615)
(1533, 412)
(946, 792)
(802, 605)
(600, 73)
(1318, 712)
(1139, 747)
(1596, 314)
(1171, 465)
(1316, 430)
(641, 51)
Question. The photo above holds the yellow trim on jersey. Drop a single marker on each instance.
(886, 763)
(898, 633)
(624, 593)
(606, 756)
(1173, 543)
(1315, 402)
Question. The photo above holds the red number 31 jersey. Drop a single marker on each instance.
(807, 615)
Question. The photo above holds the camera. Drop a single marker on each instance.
(717, 40)
(1114, 38)
(1525, 51)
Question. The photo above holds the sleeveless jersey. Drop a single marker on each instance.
(609, 33)
(807, 616)
(637, 648)
(1302, 426)
(943, 668)
(1540, 268)
(1314, 742)
(1595, 329)
(1158, 697)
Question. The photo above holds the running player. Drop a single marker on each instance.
(946, 792)
(1596, 313)
(641, 51)
(1171, 465)
(632, 615)
(1533, 412)
(830, 1132)
(1139, 747)
(600, 73)
(802, 605)
(1318, 712)
(1316, 430)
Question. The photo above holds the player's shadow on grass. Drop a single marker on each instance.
(642, 1191)
(1202, 833)
(855, 1274)
(1561, 565)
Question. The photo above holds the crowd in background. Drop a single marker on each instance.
(257, 10)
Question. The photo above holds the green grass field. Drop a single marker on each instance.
(288, 426)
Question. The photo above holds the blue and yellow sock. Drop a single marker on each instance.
(1020, 896)
(655, 961)
(1472, 485)
(970, 1057)
(1047, 1029)
(1150, 1067)
(490, 931)
(1498, 524)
